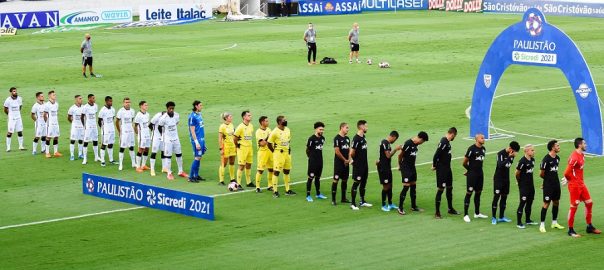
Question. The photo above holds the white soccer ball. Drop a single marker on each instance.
(232, 186)
(369, 62)
(384, 65)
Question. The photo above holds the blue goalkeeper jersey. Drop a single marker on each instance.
(196, 121)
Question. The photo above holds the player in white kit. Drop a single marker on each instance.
(37, 114)
(12, 107)
(74, 116)
(125, 127)
(106, 115)
(157, 143)
(168, 126)
(143, 136)
(51, 116)
(91, 132)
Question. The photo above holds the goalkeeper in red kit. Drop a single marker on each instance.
(573, 175)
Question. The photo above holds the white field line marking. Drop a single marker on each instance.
(215, 195)
(228, 48)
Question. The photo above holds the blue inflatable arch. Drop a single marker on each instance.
(534, 42)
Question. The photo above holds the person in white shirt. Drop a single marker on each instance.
(125, 127)
(91, 133)
(168, 126)
(157, 144)
(74, 116)
(106, 115)
(51, 116)
(37, 114)
(12, 107)
(141, 128)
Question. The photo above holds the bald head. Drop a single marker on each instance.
(479, 138)
(529, 150)
(87, 36)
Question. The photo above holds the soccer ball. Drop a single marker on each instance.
(384, 65)
(534, 24)
(369, 62)
(232, 186)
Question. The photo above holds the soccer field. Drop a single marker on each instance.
(261, 66)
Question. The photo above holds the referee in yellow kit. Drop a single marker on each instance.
(278, 143)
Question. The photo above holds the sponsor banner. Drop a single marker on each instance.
(456, 5)
(563, 8)
(24, 20)
(328, 7)
(377, 5)
(8, 31)
(152, 24)
(148, 196)
(175, 12)
(95, 16)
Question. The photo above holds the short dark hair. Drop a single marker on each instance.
(77, 96)
(550, 145)
(578, 142)
(12, 88)
(195, 103)
(319, 124)
(279, 118)
(394, 134)
(261, 119)
(38, 94)
(452, 130)
(360, 123)
(170, 104)
(126, 98)
(515, 146)
(108, 98)
(343, 124)
(423, 135)
(51, 91)
(243, 113)
(90, 95)
(141, 103)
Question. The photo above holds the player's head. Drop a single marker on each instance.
(422, 137)
(246, 116)
(281, 121)
(78, 100)
(170, 108)
(580, 144)
(393, 136)
(91, 98)
(355, 26)
(13, 91)
(263, 121)
(143, 106)
(197, 106)
(51, 95)
(479, 138)
(529, 150)
(319, 128)
(553, 145)
(108, 101)
(39, 96)
(451, 133)
(310, 26)
(227, 117)
(87, 36)
(513, 147)
(362, 126)
(344, 128)
(127, 103)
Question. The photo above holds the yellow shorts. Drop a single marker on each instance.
(229, 151)
(265, 160)
(282, 161)
(245, 155)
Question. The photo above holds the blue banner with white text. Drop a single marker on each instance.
(148, 196)
(24, 20)
(562, 8)
(329, 7)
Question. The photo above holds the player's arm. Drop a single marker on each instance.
(5, 109)
(100, 122)
(543, 167)
(568, 173)
(117, 125)
(339, 154)
(517, 175)
(308, 147)
(437, 154)
(466, 163)
(34, 116)
(349, 36)
(271, 141)
(237, 136)
(391, 153)
(70, 118)
(46, 115)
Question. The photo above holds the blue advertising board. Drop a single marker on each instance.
(148, 196)
(24, 20)
(379, 5)
(563, 8)
(328, 7)
(534, 42)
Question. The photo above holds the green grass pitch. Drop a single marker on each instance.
(434, 57)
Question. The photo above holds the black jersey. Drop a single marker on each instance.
(550, 167)
(384, 163)
(504, 163)
(476, 157)
(526, 167)
(343, 143)
(409, 154)
(442, 156)
(314, 148)
(359, 144)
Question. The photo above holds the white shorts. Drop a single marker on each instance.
(144, 141)
(127, 139)
(15, 125)
(108, 137)
(91, 134)
(53, 131)
(41, 130)
(76, 134)
(158, 145)
(172, 147)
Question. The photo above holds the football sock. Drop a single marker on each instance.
(477, 202)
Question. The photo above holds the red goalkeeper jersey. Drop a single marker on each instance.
(574, 170)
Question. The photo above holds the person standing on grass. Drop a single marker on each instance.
(12, 108)
(353, 38)
(551, 185)
(501, 182)
(472, 162)
(441, 163)
(524, 178)
(310, 37)
(86, 50)
(314, 152)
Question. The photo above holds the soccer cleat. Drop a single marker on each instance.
(103, 164)
(199, 178)
(345, 201)
(466, 218)
(145, 168)
(139, 170)
(170, 176)
(152, 172)
(164, 170)
(437, 215)
(72, 158)
(290, 193)
(358, 61)
(308, 198)
(22, 148)
(321, 196)
(57, 154)
(334, 203)
(183, 175)
(270, 189)
(401, 212)
(239, 187)
(520, 226)
(417, 209)
(276, 195)
(386, 208)
(192, 180)
(92, 75)
(84, 74)
(221, 183)
(530, 222)
(354, 207)
(258, 190)
(480, 215)
(34, 153)
(80, 156)
(250, 185)
(97, 159)
(572, 233)
(592, 229)
(365, 204)
(453, 212)
(120, 167)
(47, 155)
(112, 162)
(349, 61)
(392, 206)
(542, 229)
(504, 219)
(84, 162)
(493, 221)
(557, 226)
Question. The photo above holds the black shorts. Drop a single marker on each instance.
(340, 171)
(354, 47)
(501, 186)
(527, 193)
(408, 175)
(311, 46)
(86, 61)
(360, 173)
(385, 175)
(474, 182)
(551, 192)
(444, 177)
(315, 170)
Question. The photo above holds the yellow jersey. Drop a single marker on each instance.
(262, 135)
(280, 139)
(244, 133)
(227, 131)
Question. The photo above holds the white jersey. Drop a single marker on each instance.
(14, 107)
(38, 110)
(89, 112)
(155, 122)
(52, 109)
(169, 126)
(107, 115)
(142, 120)
(76, 114)
(126, 118)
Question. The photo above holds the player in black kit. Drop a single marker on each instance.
(385, 170)
(524, 177)
(341, 145)
(314, 152)
(551, 185)
(360, 167)
(474, 176)
(441, 163)
(501, 181)
(406, 161)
